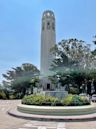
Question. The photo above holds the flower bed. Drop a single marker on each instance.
(70, 100)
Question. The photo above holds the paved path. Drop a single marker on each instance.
(81, 125)
(9, 122)
(6, 121)
(43, 125)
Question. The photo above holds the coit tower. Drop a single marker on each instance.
(48, 40)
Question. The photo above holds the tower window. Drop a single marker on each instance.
(48, 25)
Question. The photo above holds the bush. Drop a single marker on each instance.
(85, 100)
(12, 97)
(51, 101)
(70, 100)
(2, 95)
(67, 100)
(75, 100)
(40, 100)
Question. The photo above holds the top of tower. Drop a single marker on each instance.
(48, 14)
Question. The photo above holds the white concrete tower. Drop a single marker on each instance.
(48, 40)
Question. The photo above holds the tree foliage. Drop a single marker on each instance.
(74, 63)
(73, 54)
(19, 79)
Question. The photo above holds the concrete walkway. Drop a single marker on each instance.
(9, 122)
(6, 121)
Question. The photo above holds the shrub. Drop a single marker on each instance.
(85, 100)
(2, 95)
(70, 100)
(75, 100)
(67, 100)
(52, 101)
(12, 96)
(40, 100)
(33, 100)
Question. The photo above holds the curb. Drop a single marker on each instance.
(17, 114)
(57, 111)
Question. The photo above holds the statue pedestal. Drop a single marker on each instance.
(57, 93)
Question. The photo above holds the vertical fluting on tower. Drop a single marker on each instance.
(48, 40)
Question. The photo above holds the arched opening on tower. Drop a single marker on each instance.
(48, 25)
(48, 86)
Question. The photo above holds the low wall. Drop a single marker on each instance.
(58, 111)
(58, 94)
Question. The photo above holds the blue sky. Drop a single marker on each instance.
(20, 27)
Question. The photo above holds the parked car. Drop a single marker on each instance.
(93, 98)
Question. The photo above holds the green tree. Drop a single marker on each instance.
(73, 62)
(72, 53)
(19, 79)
